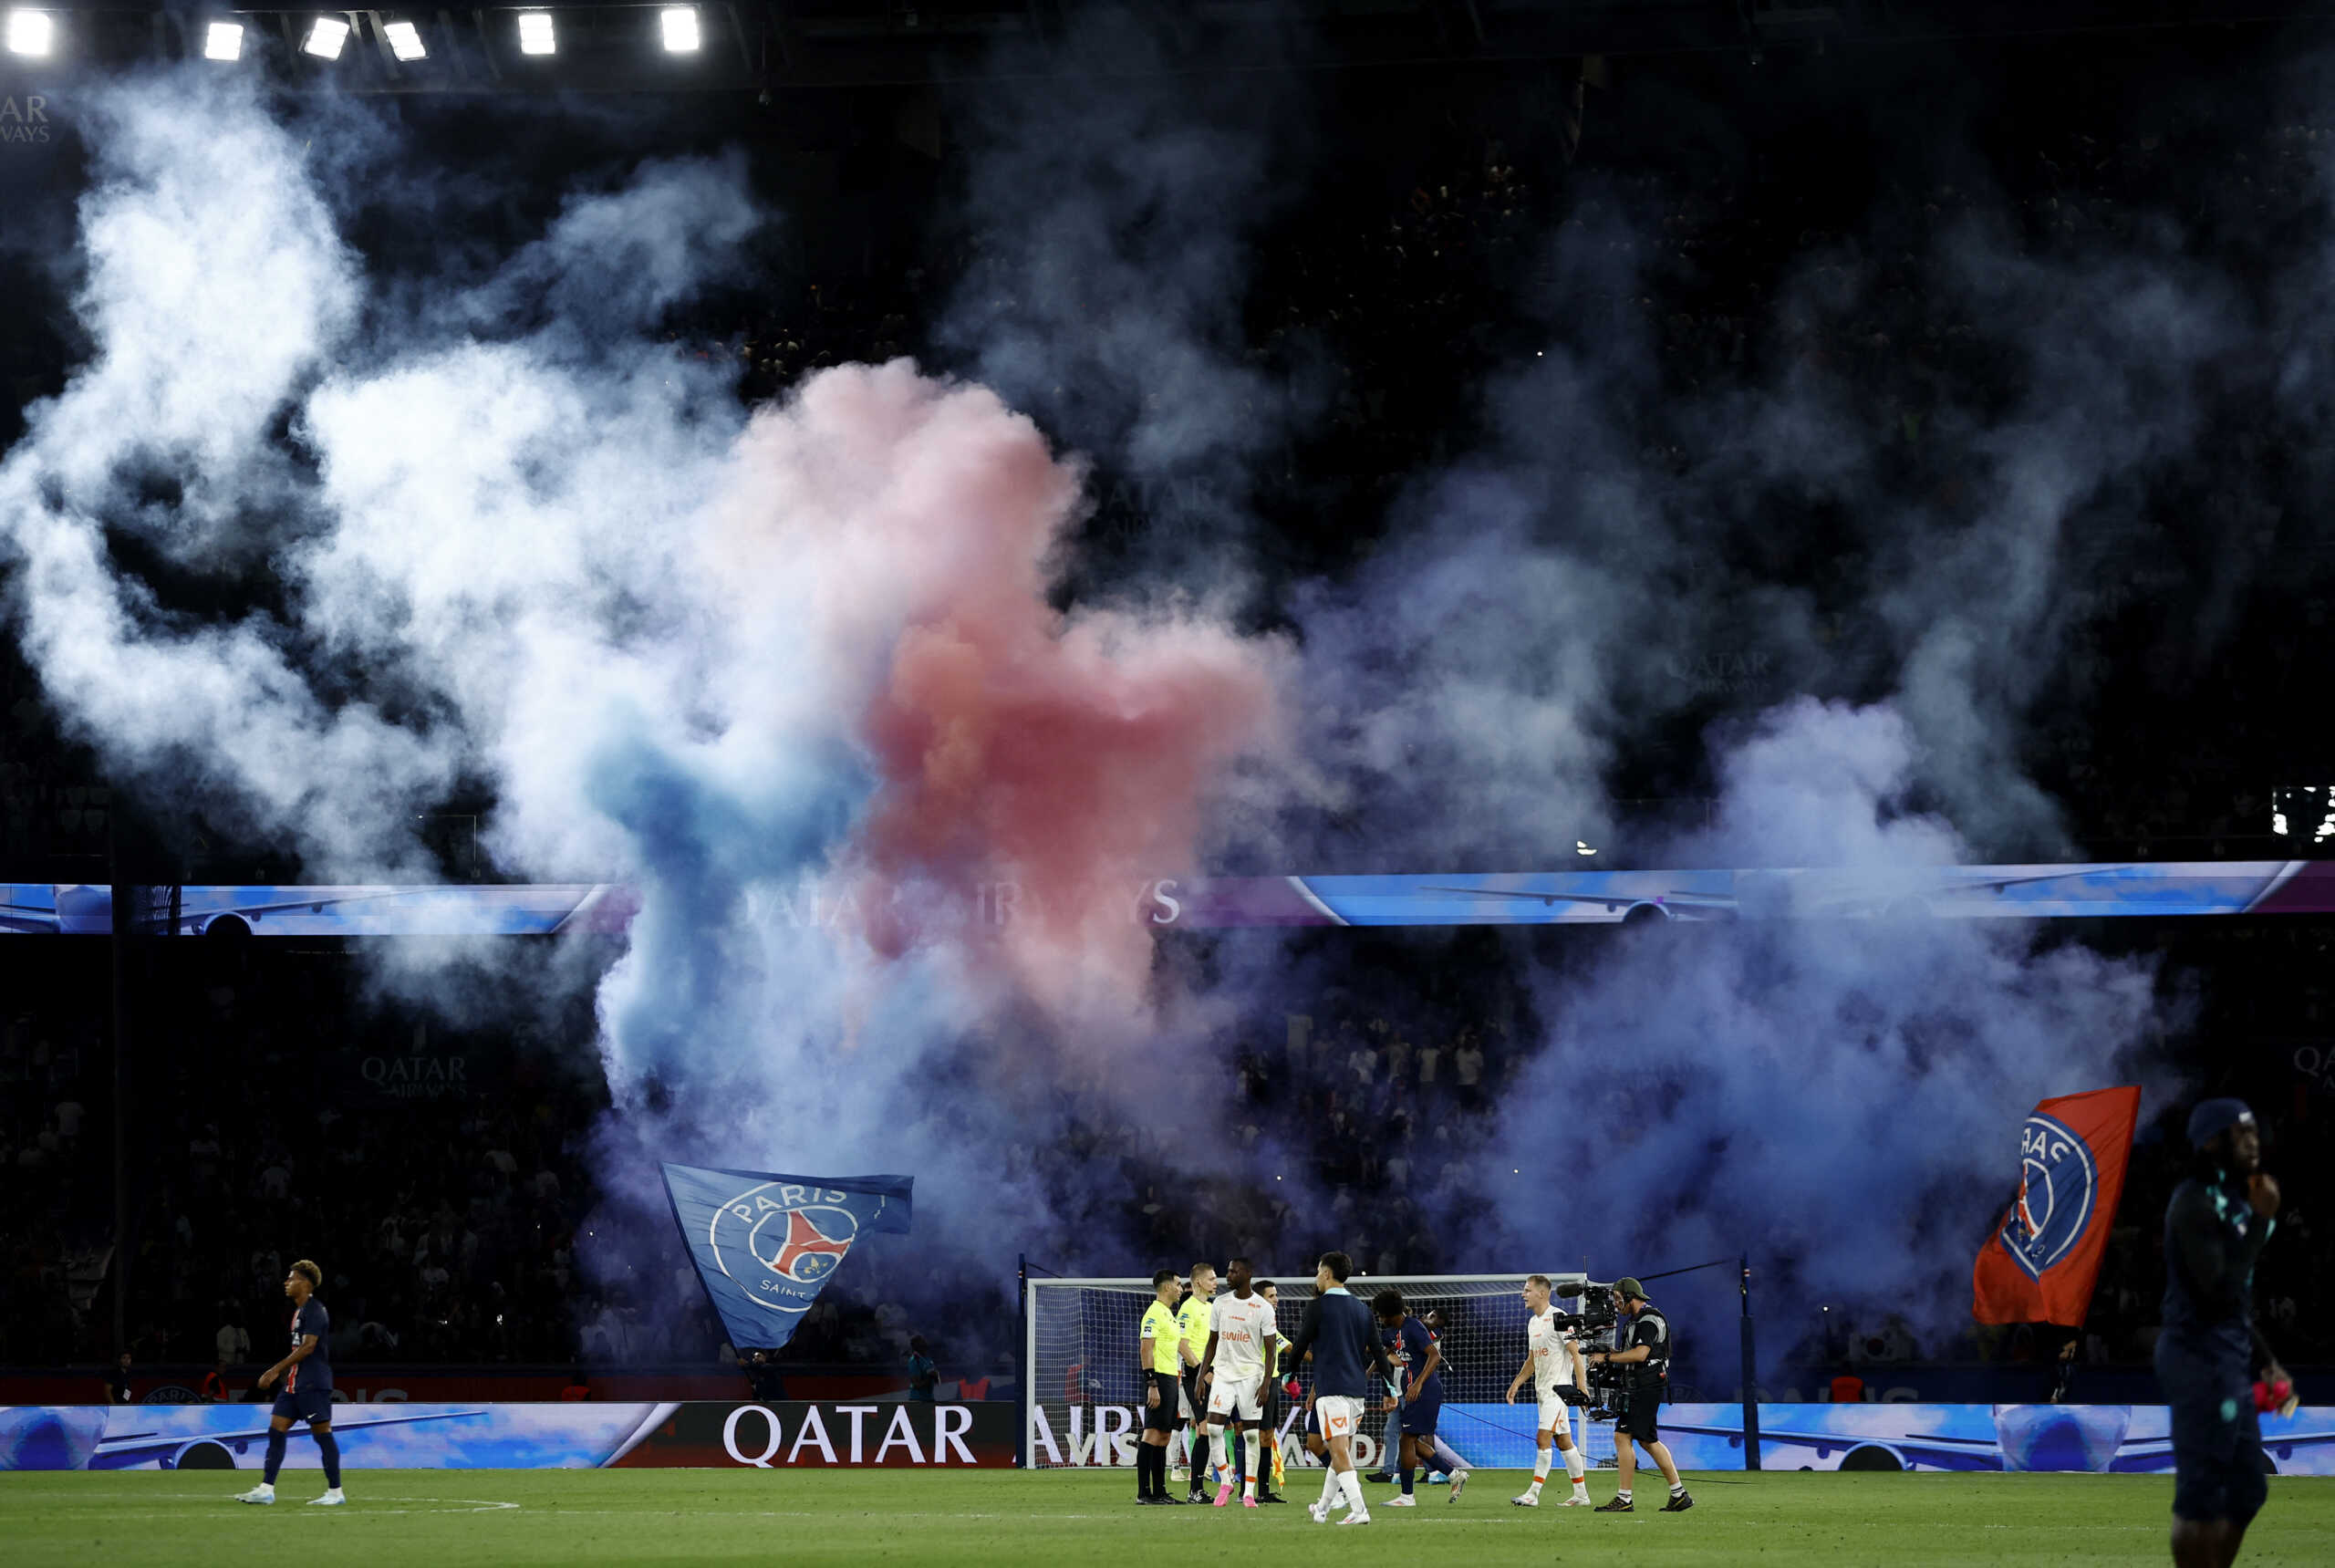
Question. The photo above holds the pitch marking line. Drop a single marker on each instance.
(462, 1504)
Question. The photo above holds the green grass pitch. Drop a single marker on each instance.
(449, 1517)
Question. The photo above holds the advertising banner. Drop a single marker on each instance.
(722, 1434)
(798, 1435)
(2089, 890)
(422, 1384)
(2099, 1438)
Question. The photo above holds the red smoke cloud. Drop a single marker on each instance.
(1067, 757)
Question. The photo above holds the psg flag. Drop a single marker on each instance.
(765, 1244)
(2043, 1259)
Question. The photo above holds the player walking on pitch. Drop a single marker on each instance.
(1241, 1334)
(1418, 1402)
(1269, 1429)
(1551, 1356)
(2206, 1359)
(307, 1388)
(1342, 1336)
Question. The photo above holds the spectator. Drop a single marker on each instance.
(763, 1378)
(1468, 1067)
(213, 1388)
(117, 1381)
(924, 1376)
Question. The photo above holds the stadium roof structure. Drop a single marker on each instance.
(2088, 891)
(766, 46)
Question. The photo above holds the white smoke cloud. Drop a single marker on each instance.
(514, 541)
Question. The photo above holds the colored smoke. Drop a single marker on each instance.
(794, 675)
(808, 676)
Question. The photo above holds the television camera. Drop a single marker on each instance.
(1595, 1326)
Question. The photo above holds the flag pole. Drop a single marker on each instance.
(1750, 1375)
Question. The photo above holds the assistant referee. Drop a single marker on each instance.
(1161, 1350)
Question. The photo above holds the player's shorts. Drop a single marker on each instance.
(1553, 1414)
(1161, 1418)
(1340, 1415)
(1237, 1397)
(1419, 1414)
(1311, 1425)
(1638, 1421)
(2217, 1465)
(304, 1404)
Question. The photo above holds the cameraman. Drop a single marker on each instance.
(1644, 1338)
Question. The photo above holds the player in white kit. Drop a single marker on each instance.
(1242, 1332)
(1552, 1356)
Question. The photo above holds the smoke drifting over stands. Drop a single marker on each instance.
(1448, 470)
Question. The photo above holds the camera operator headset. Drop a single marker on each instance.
(1645, 1350)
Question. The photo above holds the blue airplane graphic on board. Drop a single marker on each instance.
(2094, 1438)
(75, 1437)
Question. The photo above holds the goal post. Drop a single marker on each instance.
(1081, 1389)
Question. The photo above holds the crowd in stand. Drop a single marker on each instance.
(444, 1206)
(456, 1215)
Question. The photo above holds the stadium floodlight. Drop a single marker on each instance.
(223, 41)
(534, 33)
(327, 36)
(405, 40)
(31, 33)
(680, 23)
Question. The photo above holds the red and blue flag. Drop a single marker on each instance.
(2043, 1259)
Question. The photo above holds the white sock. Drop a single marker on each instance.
(1329, 1487)
(1574, 1465)
(1350, 1483)
(1678, 1488)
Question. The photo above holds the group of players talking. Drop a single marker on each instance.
(1209, 1362)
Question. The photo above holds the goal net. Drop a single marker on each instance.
(1082, 1391)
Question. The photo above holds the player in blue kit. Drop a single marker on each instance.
(307, 1372)
(1418, 1359)
(1338, 1333)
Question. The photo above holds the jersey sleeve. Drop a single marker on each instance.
(1416, 1342)
(315, 1320)
(1216, 1313)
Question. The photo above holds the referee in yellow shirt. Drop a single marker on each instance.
(1192, 1319)
(1162, 1349)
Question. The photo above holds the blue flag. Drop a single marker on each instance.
(765, 1244)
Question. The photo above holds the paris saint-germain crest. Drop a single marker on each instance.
(779, 1241)
(765, 1243)
(2059, 1186)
